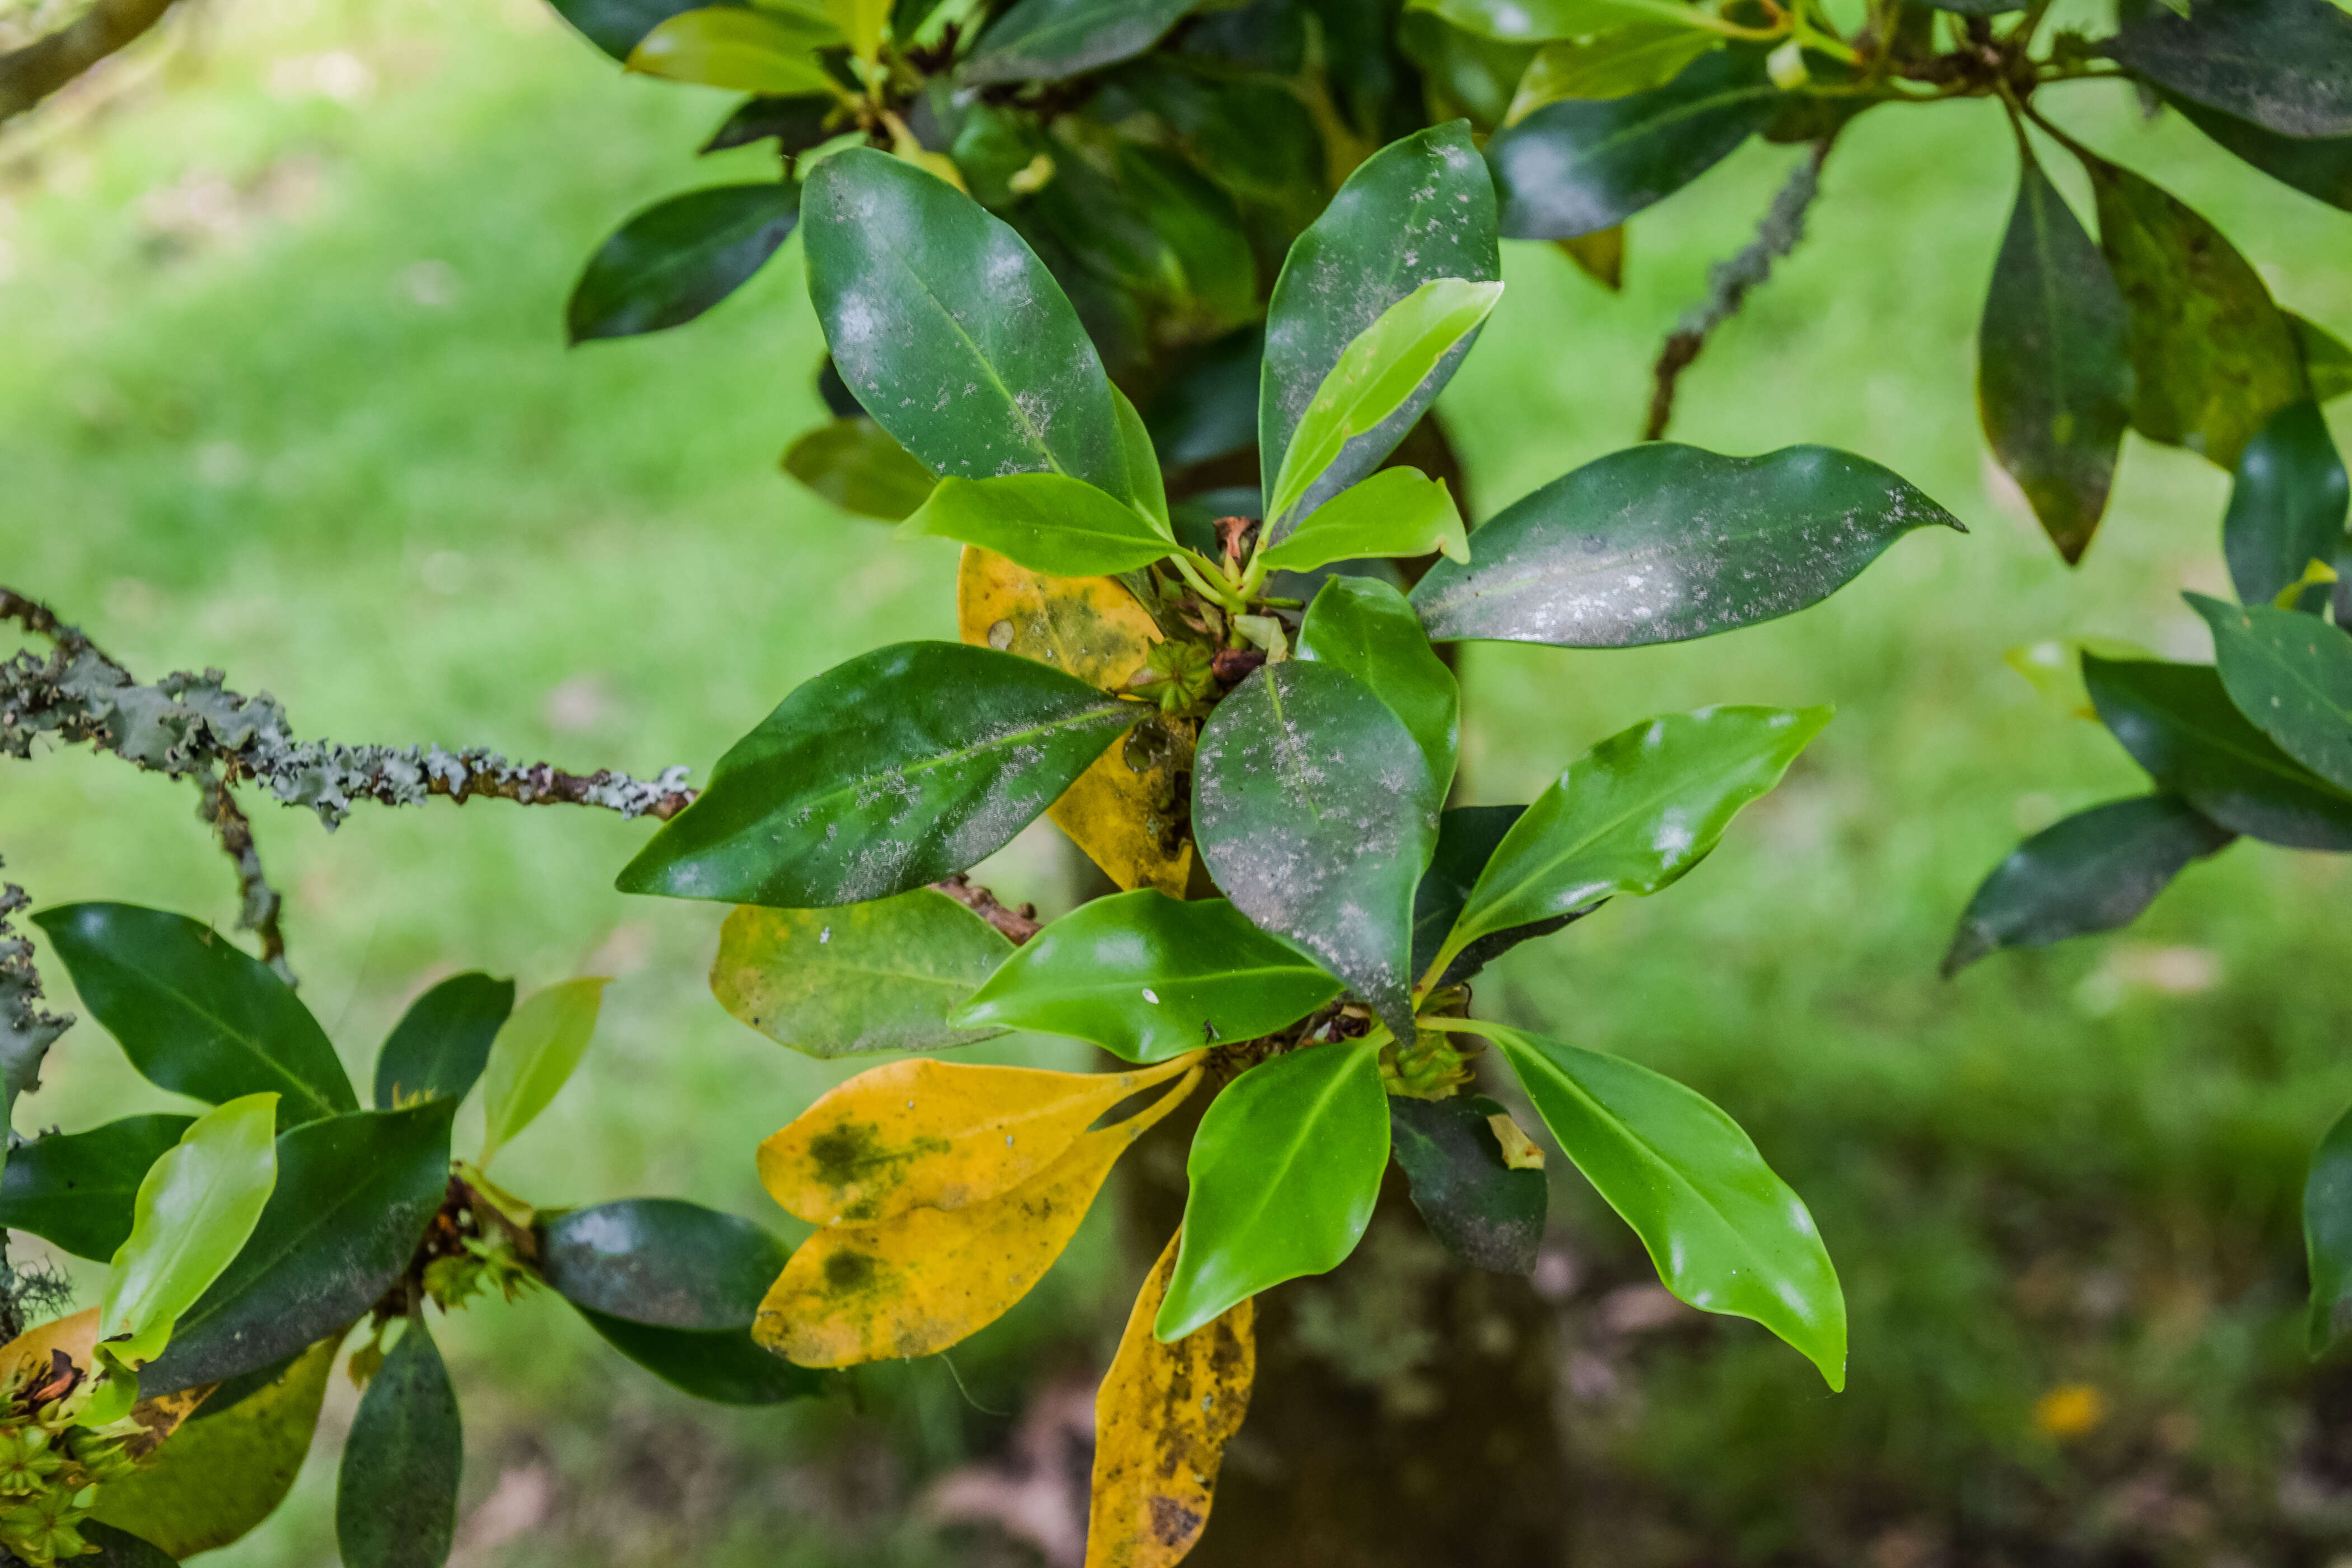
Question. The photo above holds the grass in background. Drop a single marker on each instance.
(282, 389)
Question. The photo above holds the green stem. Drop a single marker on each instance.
(1203, 586)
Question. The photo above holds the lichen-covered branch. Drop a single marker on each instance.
(30, 74)
(26, 1028)
(1728, 282)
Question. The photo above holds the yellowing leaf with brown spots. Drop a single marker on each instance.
(1126, 811)
(916, 1284)
(933, 1134)
(1162, 1418)
(76, 1336)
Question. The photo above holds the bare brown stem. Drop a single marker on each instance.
(32, 73)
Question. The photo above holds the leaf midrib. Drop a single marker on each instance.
(1263, 1195)
(303, 1087)
(1014, 739)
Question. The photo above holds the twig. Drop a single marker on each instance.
(30, 74)
(1729, 283)
(26, 1029)
(258, 903)
(1019, 924)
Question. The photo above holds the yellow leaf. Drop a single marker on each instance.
(931, 1135)
(1600, 256)
(914, 1284)
(78, 1337)
(1162, 1418)
(1125, 810)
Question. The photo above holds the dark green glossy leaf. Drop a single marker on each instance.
(797, 123)
(2328, 1237)
(1725, 1234)
(1316, 813)
(2287, 508)
(1063, 527)
(726, 1366)
(2291, 673)
(2212, 357)
(880, 976)
(1466, 837)
(75, 1189)
(2093, 871)
(2177, 722)
(898, 768)
(2286, 65)
(1417, 211)
(1256, 135)
(2054, 384)
(194, 1013)
(2319, 166)
(1284, 1170)
(120, 1549)
(858, 466)
(1208, 408)
(1663, 542)
(949, 330)
(1462, 72)
(661, 1262)
(679, 257)
(616, 27)
(1147, 977)
(396, 1495)
(354, 1193)
(1482, 1210)
(438, 1046)
(1047, 40)
(1364, 626)
(2326, 360)
(1578, 166)
(1206, 251)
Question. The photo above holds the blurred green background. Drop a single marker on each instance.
(282, 391)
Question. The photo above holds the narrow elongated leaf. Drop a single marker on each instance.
(2178, 722)
(1418, 210)
(1663, 542)
(396, 1494)
(1045, 522)
(1397, 511)
(2288, 506)
(2054, 384)
(73, 1190)
(1316, 813)
(2319, 166)
(1165, 1413)
(1364, 626)
(868, 977)
(950, 331)
(354, 1193)
(1047, 40)
(679, 257)
(1578, 166)
(1633, 815)
(194, 1209)
(898, 768)
(534, 1056)
(1466, 840)
(2328, 1237)
(1285, 1171)
(2285, 65)
(1727, 1235)
(661, 1262)
(1144, 482)
(930, 1134)
(2292, 675)
(1617, 62)
(2212, 357)
(1479, 1208)
(859, 467)
(1148, 977)
(195, 1014)
(738, 46)
(2093, 871)
(441, 1043)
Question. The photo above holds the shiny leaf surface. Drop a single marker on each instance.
(1048, 523)
(2288, 506)
(1614, 63)
(865, 977)
(677, 258)
(396, 1494)
(1481, 1210)
(1047, 40)
(73, 1190)
(1466, 838)
(726, 1366)
(857, 466)
(194, 1210)
(440, 1045)
(738, 46)
(2292, 675)
(2285, 65)
(1364, 626)
(536, 1052)
(663, 1262)
(1397, 511)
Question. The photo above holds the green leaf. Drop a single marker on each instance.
(1143, 480)
(1208, 406)
(2326, 360)
(1363, 625)
(354, 1193)
(796, 123)
(120, 1549)
(1049, 40)
(950, 331)
(1633, 815)
(677, 258)
(898, 768)
(1466, 840)
(738, 47)
(1064, 527)
(859, 467)
(1624, 60)
(1284, 1170)
(1147, 977)
(1663, 542)
(1397, 511)
(2093, 871)
(2177, 722)
(534, 1056)
(1540, 21)
(2319, 166)
(1419, 210)
(726, 1366)
(1316, 811)
(195, 1014)
(2212, 357)
(1201, 234)
(194, 1210)
(1462, 72)
(1725, 1234)
(2286, 65)
(2291, 673)
(1479, 1209)
(2328, 1237)
(615, 25)
(2288, 506)
(841, 982)
(2054, 385)
(441, 1043)
(1578, 166)
(396, 1494)
(75, 1190)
